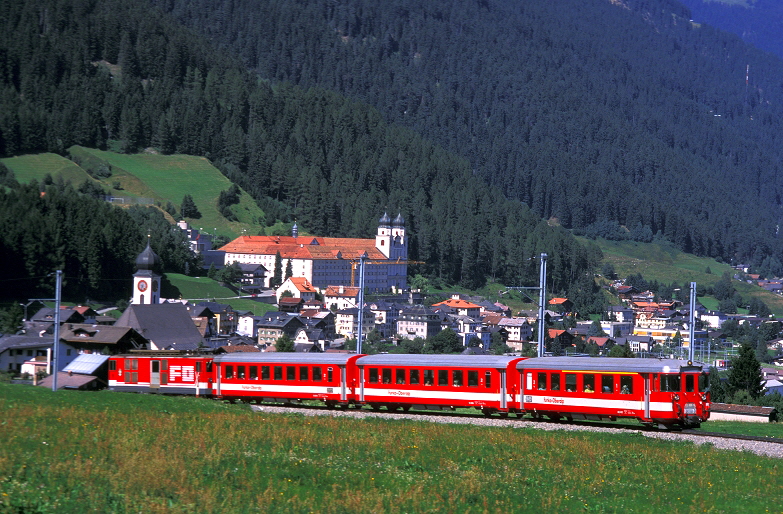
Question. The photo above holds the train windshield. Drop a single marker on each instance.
(670, 383)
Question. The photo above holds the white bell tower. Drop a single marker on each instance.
(146, 283)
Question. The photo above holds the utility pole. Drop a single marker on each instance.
(56, 346)
(692, 322)
(362, 258)
(541, 305)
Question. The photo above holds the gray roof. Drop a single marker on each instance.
(86, 363)
(23, 341)
(607, 364)
(167, 325)
(285, 358)
(447, 361)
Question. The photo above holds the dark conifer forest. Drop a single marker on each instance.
(477, 120)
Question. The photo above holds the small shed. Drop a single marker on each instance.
(731, 412)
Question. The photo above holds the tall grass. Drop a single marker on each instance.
(111, 452)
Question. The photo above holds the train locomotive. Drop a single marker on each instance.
(663, 392)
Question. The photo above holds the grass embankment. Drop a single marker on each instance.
(111, 452)
(198, 289)
(35, 167)
(665, 264)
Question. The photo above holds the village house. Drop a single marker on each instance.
(418, 321)
(275, 325)
(297, 287)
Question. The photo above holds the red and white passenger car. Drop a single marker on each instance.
(654, 391)
(285, 377)
(489, 383)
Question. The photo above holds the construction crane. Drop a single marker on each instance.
(355, 265)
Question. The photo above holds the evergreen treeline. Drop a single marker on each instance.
(53, 226)
(83, 72)
(585, 110)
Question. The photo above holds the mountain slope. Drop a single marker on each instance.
(586, 111)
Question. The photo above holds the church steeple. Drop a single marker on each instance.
(146, 283)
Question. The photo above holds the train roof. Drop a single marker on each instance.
(608, 364)
(285, 358)
(426, 360)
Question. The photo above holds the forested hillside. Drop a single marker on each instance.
(592, 112)
(116, 72)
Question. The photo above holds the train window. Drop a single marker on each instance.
(373, 375)
(626, 384)
(443, 377)
(240, 372)
(304, 372)
(112, 365)
(689, 383)
(386, 375)
(472, 378)
(400, 376)
(209, 366)
(290, 372)
(429, 377)
(329, 375)
(571, 382)
(164, 378)
(278, 372)
(317, 374)
(670, 383)
(414, 376)
(542, 381)
(164, 365)
(488, 379)
(555, 386)
(253, 372)
(607, 383)
(198, 366)
(588, 382)
(264, 372)
(131, 363)
(703, 382)
(229, 371)
(457, 378)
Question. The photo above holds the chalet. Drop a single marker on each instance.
(167, 326)
(347, 322)
(290, 304)
(101, 339)
(298, 287)
(459, 307)
(563, 305)
(418, 321)
(341, 297)
(275, 325)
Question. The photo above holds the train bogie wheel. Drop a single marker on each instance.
(375, 406)
(486, 412)
(392, 408)
(504, 415)
(406, 408)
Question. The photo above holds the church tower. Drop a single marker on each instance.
(146, 283)
(383, 239)
(399, 243)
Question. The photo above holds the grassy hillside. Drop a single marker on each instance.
(202, 288)
(35, 167)
(666, 265)
(163, 178)
(168, 178)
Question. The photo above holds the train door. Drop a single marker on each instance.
(647, 386)
(343, 379)
(503, 392)
(361, 385)
(155, 374)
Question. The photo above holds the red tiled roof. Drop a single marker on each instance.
(302, 284)
(348, 291)
(558, 301)
(457, 304)
(305, 247)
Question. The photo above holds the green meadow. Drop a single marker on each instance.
(666, 264)
(35, 167)
(197, 289)
(81, 452)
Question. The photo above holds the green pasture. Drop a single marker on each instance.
(197, 289)
(666, 264)
(71, 451)
(168, 178)
(27, 168)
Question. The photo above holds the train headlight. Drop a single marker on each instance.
(676, 397)
(704, 397)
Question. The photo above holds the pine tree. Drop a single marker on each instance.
(277, 278)
(188, 208)
(745, 374)
(289, 270)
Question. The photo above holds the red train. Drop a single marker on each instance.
(662, 392)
